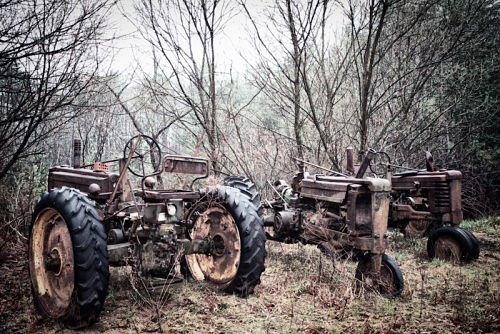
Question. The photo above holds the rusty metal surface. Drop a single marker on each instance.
(405, 211)
(367, 220)
(456, 213)
(367, 212)
(352, 208)
(51, 263)
(167, 194)
(380, 212)
(334, 191)
(374, 184)
(426, 179)
(80, 179)
(376, 275)
(222, 266)
(440, 191)
(177, 164)
(365, 164)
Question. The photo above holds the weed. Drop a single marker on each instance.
(402, 255)
(489, 225)
(302, 291)
(398, 242)
(438, 262)
(223, 306)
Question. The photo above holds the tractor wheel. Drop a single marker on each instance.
(68, 258)
(233, 223)
(248, 189)
(474, 255)
(451, 244)
(391, 282)
(416, 228)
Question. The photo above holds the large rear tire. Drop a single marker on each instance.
(68, 258)
(248, 189)
(242, 234)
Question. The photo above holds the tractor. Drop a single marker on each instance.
(341, 214)
(428, 202)
(92, 218)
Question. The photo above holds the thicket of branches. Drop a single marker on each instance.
(401, 76)
(48, 62)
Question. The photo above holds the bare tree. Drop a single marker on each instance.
(48, 57)
(283, 41)
(326, 64)
(397, 47)
(302, 72)
(183, 33)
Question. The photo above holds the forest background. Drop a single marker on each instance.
(402, 76)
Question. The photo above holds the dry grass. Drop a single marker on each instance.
(302, 291)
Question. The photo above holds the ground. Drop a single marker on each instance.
(302, 291)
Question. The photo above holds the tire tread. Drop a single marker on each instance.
(90, 254)
(252, 238)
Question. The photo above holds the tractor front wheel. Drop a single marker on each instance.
(389, 282)
(248, 189)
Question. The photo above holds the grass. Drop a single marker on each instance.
(303, 291)
(490, 225)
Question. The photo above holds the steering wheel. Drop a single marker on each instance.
(147, 155)
(377, 161)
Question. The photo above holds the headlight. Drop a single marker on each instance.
(171, 209)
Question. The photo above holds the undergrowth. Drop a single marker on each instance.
(302, 291)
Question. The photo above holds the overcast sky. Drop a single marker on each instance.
(233, 46)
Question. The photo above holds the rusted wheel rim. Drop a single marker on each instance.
(366, 274)
(416, 228)
(386, 284)
(448, 248)
(51, 263)
(222, 265)
(382, 281)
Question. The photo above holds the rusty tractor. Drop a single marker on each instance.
(92, 218)
(429, 203)
(342, 215)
